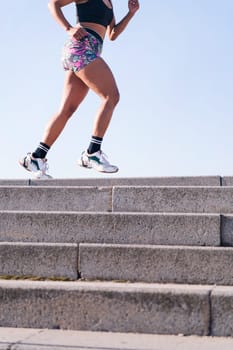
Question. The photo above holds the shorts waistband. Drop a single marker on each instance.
(96, 35)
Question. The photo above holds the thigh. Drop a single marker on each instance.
(98, 77)
(74, 92)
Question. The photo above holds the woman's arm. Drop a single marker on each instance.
(114, 30)
(55, 9)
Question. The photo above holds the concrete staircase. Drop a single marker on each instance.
(139, 255)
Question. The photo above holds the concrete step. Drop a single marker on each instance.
(117, 228)
(173, 199)
(128, 229)
(134, 263)
(127, 181)
(107, 306)
(187, 199)
(50, 339)
(56, 198)
(39, 259)
(156, 264)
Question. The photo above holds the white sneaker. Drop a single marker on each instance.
(97, 161)
(37, 166)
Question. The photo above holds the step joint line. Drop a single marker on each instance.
(78, 262)
(210, 332)
(112, 199)
(221, 181)
(210, 315)
(79, 272)
(221, 230)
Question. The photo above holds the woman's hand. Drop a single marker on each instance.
(133, 6)
(77, 32)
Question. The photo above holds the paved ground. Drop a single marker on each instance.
(35, 339)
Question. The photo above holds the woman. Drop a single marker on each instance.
(85, 70)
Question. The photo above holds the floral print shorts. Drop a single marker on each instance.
(77, 54)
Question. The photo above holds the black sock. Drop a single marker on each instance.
(41, 151)
(95, 144)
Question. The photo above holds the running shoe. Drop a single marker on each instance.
(36, 166)
(97, 161)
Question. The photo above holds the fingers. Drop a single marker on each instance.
(134, 2)
(133, 5)
(78, 32)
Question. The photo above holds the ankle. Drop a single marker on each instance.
(95, 144)
(41, 151)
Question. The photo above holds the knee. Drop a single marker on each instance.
(116, 97)
(113, 98)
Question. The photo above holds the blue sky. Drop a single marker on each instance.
(173, 66)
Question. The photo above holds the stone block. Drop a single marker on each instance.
(56, 198)
(118, 228)
(133, 181)
(222, 311)
(39, 259)
(113, 307)
(14, 182)
(227, 181)
(157, 264)
(173, 199)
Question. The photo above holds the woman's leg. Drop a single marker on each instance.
(99, 78)
(74, 92)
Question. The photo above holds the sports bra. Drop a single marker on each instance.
(94, 11)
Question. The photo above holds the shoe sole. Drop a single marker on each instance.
(83, 165)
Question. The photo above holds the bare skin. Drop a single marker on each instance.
(77, 85)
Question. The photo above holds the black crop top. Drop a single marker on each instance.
(94, 11)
